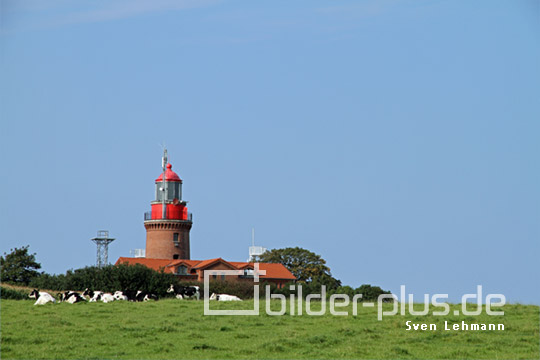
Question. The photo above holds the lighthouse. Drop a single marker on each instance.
(167, 241)
(169, 222)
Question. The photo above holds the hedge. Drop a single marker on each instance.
(13, 294)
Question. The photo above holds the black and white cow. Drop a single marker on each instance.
(96, 296)
(184, 292)
(131, 295)
(144, 296)
(71, 297)
(41, 297)
(89, 293)
(119, 295)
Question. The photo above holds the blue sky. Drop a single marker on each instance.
(398, 139)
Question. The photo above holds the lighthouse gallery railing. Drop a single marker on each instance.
(148, 216)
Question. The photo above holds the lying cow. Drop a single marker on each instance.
(144, 296)
(105, 297)
(96, 296)
(71, 297)
(224, 297)
(89, 293)
(119, 295)
(183, 292)
(127, 294)
(41, 297)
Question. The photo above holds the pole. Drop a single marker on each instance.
(163, 185)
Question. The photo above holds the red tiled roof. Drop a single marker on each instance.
(273, 271)
(209, 262)
(242, 265)
(276, 271)
(189, 263)
(156, 264)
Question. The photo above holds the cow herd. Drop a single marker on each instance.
(127, 295)
(72, 297)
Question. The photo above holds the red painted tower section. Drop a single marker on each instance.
(167, 237)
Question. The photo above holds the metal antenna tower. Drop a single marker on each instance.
(102, 241)
(254, 251)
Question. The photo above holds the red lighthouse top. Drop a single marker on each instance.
(169, 175)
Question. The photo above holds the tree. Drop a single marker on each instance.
(305, 265)
(371, 293)
(19, 266)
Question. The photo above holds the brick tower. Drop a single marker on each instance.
(168, 224)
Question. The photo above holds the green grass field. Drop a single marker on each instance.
(172, 329)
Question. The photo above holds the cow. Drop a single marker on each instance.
(224, 297)
(144, 296)
(75, 298)
(96, 296)
(106, 297)
(93, 296)
(71, 297)
(89, 293)
(183, 292)
(130, 294)
(41, 297)
(63, 296)
(119, 295)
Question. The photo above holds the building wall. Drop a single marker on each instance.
(160, 237)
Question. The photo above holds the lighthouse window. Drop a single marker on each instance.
(175, 239)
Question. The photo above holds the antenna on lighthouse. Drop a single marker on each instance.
(163, 184)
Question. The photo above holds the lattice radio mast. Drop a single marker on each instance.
(102, 241)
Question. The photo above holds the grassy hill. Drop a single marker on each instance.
(171, 328)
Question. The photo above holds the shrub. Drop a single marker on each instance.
(12, 294)
(109, 278)
(244, 290)
(371, 293)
